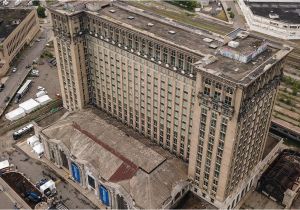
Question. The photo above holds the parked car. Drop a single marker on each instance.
(2, 86)
(6, 99)
(14, 69)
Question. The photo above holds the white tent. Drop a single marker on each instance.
(40, 93)
(4, 164)
(43, 99)
(48, 185)
(33, 140)
(29, 105)
(15, 114)
(38, 149)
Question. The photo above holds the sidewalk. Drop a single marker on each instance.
(62, 173)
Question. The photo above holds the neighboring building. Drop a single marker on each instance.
(206, 99)
(280, 181)
(277, 18)
(17, 28)
(121, 167)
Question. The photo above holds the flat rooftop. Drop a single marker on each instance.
(120, 155)
(10, 19)
(287, 12)
(187, 38)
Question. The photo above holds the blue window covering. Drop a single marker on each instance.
(75, 172)
(104, 196)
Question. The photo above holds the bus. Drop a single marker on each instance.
(19, 133)
(23, 90)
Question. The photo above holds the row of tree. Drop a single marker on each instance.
(188, 4)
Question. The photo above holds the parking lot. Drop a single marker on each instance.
(48, 79)
(36, 170)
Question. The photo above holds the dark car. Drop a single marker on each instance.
(6, 99)
(2, 86)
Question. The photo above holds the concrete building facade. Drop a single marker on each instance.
(206, 99)
(17, 28)
(125, 171)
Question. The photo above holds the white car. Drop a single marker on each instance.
(40, 88)
(14, 69)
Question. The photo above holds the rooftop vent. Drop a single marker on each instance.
(208, 59)
(208, 40)
(213, 46)
(112, 11)
(273, 15)
(16, 22)
(243, 34)
(150, 24)
(171, 32)
(130, 17)
(233, 44)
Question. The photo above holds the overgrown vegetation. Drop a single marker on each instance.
(36, 3)
(47, 54)
(187, 4)
(41, 11)
(292, 83)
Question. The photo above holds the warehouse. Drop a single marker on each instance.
(122, 168)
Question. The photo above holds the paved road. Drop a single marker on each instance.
(238, 20)
(15, 79)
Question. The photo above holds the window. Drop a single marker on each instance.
(229, 90)
(206, 91)
(218, 86)
(228, 100)
(217, 95)
(208, 81)
(91, 182)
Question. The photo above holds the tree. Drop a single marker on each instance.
(188, 4)
(231, 15)
(35, 2)
(41, 11)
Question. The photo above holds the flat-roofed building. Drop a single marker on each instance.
(17, 28)
(205, 98)
(278, 18)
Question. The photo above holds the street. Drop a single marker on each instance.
(26, 57)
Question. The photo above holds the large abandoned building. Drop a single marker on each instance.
(17, 28)
(122, 168)
(207, 99)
